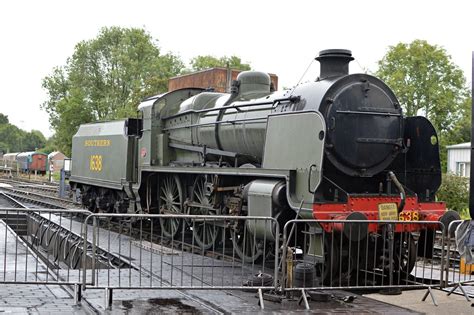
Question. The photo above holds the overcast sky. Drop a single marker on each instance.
(281, 37)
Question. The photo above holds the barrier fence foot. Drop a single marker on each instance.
(459, 285)
(273, 297)
(108, 298)
(430, 292)
(304, 299)
(77, 294)
(260, 299)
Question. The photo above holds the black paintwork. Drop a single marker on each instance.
(419, 168)
(364, 125)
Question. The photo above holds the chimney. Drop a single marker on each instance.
(334, 62)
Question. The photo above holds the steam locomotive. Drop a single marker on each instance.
(336, 148)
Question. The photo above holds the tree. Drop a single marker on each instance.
(454, 191)
(461, 131)
(49, 146)
(11, 138)
(425, 81)
(205, 62)
(105, 79)
(14, 139)
(33, 141)
(3, 119)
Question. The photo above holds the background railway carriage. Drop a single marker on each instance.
(32, 162)
(336, 148)
(9, 160)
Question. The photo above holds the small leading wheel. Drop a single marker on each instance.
(246, 245)
(171, 202)
(205, 232)
(404, 255)
(376, 256)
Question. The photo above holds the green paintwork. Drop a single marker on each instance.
(260, 203)
(108, 141)
(287, 147)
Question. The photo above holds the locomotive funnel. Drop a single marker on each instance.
(334, 62)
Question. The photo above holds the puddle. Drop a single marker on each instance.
(157, 306)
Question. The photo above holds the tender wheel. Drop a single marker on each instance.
(205, 232)
(246, 245)
(171, 202)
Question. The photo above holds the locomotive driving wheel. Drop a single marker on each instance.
(171, 202)
(328, 270)
(205, 232)
(246, 245)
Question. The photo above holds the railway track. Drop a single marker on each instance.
(49, 188)
(40, 199)
(124, 227)
(18, 198)
(23, 180)
(183, 243)
(145, 230)
(28, 193)
(12, 201)
(37, 199)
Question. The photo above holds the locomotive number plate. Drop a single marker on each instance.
(95, 163)
(409, 216)
(388, 211)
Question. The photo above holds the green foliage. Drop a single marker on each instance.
(33, 140)
(14, 139)
(454, 191)
(50, 145)
(425, 81)
(465, 215)
(206, 62)
(105, 79)
(3, 119)
(461, 131)
(10, 136)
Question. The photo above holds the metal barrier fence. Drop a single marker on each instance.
(38, 247)
(184, 252)
(459, 274)
(400, 254)
(125, 251)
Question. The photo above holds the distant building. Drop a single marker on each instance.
(459, 159)
(56, 158)
(219, 79)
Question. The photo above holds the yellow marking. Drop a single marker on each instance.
(97, 143)
(95, 163)
(409, 216)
